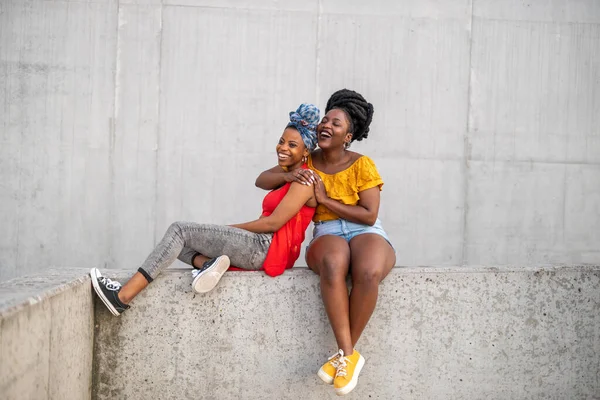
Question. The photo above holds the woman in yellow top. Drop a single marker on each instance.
(348, 236)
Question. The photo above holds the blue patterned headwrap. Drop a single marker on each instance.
(305, 119)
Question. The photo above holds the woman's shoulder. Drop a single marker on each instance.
(354, 156)
(357, 164)
(365, 171)
(299, 188)
(360, 161)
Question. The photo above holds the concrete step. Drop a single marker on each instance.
(437, 333)
(46, 336)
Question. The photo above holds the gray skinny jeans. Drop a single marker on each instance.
(185, 240)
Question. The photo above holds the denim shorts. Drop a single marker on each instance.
(347, 230)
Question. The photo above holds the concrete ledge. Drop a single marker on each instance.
(437, 333)
(46, 336)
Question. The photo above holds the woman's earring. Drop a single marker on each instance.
(304, 158)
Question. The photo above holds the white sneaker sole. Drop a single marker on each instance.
(354, 381)
(207, 280)
(95, 275)
(325, 377)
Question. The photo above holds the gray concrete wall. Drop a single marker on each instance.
(119, 117)
(46, 336)
(443, 333)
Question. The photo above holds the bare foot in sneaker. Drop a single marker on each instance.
(348, 370)
(328, 370)
(108, 291)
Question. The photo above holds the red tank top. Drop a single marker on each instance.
(286, 243)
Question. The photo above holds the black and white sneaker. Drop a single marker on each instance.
(108, 291)
(207, 277)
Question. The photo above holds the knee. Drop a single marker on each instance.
(333, 268)
(367, 276)
(175, 228)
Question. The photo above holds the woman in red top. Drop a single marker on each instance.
(271, 242)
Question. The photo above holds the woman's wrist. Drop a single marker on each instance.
(288, 176)
(327, 201)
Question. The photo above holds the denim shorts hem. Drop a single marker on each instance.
(347, 230)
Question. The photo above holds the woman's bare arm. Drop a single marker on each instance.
(364, 212)
(276, 177)
(290, 205)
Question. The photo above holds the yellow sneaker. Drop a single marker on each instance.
(346, 376)
(327, 371)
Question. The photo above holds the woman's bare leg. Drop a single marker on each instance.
(372, 259)
(329, 257)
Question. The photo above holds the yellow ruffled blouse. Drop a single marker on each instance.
(345, 185)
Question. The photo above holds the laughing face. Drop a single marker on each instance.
(334, 130)
(291, 149)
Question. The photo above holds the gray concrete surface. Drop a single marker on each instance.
(46, 336)
(119, 117)
(437, 333)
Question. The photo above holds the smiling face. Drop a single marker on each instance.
(334, 130)
(291, 149)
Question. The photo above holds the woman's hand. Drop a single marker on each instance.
(320, 192)
(302, 176)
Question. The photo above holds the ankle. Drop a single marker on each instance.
(347, 351)
(123, 299)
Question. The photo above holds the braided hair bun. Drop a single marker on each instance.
(359, 111)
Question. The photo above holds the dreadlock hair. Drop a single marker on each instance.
(358, 110)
